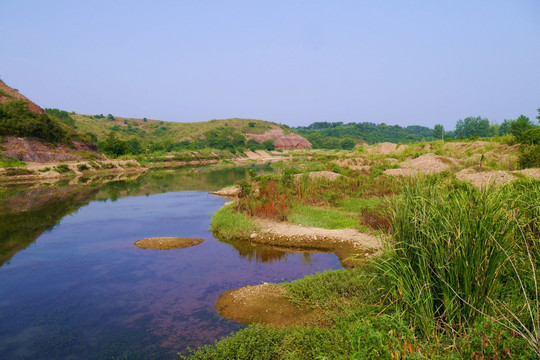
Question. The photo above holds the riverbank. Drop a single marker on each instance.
(349, 245)
(386, 308)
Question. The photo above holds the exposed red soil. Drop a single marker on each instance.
(281, 141)
(26, 149)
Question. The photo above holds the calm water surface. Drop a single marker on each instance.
(73, 285)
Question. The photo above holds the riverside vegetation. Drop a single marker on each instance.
(457, 277)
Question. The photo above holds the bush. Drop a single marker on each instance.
(14, 171)
(16, 119)
(62, 168)
(82, 167)
(529, 156)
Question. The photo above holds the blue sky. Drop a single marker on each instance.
(292, 62)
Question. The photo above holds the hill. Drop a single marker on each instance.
(156, 135)
(28, 133)
(8, 94)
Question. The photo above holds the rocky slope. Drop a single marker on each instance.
(281, 140)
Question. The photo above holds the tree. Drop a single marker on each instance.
(133, 146)
(438, 132)
(520, 125)
(113, 146)
(268, 144)
(472, 126)
(347, 144)
(505, 127)
(252, 144)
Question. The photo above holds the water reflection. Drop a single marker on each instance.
(265, 254)
(28, 211)
(27, 214)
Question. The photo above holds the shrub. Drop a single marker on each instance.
(16, 119)
(62, 168)
(14, 171)
(529, 156)
(82, 167)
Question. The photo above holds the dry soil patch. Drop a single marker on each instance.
(263, 304)
(328, 175)
(167, 243)
(228, 192)
(424, 164)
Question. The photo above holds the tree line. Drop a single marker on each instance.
(337, 135)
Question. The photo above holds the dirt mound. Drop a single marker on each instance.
(425, 164)
(383, 148)
(263, 304)
(355, 163)
(167, 243)
(228, 192)
(328, 175)
(532, 173)
(281, 140)
(466, 149)
(9, 94)
(486, 178)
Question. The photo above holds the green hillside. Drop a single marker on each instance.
(118, 136)
(20, 117)
(152, 131)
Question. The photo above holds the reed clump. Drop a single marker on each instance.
(460, 256)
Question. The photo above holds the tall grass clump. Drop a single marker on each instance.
(448, 253)
(228, 224)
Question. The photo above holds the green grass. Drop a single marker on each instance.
(62, 169)
(9, 162)
(228, 224)
(451, 248)
(326, 218)
(360, 204)
(358, 322)
(457, 280)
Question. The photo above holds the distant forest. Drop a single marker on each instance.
(335, 135)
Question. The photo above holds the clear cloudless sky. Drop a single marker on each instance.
(290, 61)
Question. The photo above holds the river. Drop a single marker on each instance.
(73, 285)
